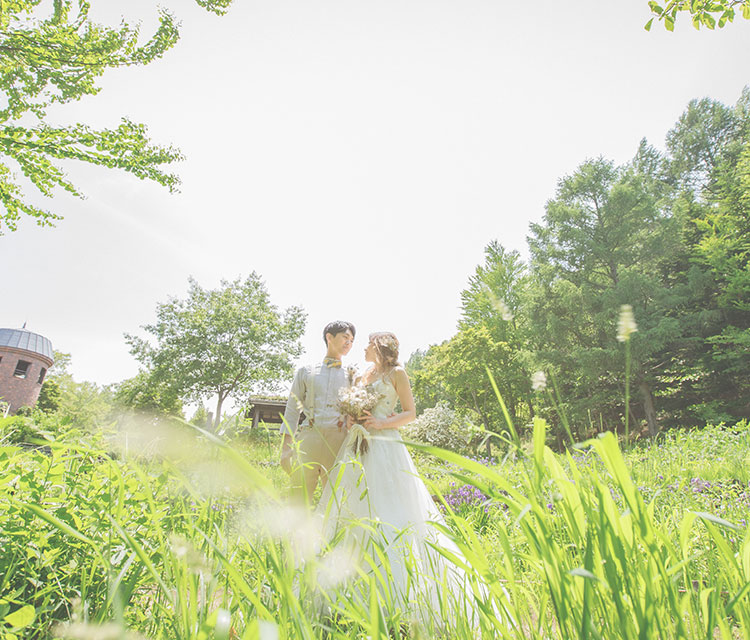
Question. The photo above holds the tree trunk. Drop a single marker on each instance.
(217, 418)
(648, 408)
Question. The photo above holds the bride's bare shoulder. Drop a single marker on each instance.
(398, 374)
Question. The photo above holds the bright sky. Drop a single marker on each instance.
(357, 155)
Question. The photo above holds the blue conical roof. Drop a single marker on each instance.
(28, 341)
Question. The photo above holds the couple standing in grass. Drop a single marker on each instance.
(309, 450)
(373, 505)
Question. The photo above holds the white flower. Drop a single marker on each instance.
(626, 324)
(539, 381)
(290, 524)
(440, 427)
(390, 343)
(267, 630)
(355, 401)
(351, 373)
(336, 567)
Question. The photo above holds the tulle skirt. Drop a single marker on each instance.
(377, 510)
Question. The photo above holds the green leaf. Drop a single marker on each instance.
(740, 594)
(746, 10)
(141, 553)
(716, 520)
(648, 25)
(584, 573)
(669, 23)
(22, 617)
(56, 522)
(708, 20)
(540, 435)
(685, 526)
(656, 7)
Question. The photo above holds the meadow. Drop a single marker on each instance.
(154, 529)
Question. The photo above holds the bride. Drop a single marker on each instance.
(377, 509)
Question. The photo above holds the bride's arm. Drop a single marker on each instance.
(408, 408)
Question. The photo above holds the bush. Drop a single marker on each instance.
(17, 429)
(439, 426)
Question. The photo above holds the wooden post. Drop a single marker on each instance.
(256, 416)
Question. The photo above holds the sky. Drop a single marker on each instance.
(357, 155)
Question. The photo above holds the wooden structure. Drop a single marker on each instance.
(268, 410)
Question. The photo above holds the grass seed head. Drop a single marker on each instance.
(626, 323)
(539, 381)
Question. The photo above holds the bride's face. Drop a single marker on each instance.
(370, 353)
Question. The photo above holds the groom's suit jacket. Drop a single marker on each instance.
(315, 392)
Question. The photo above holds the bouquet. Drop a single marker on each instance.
(355, 402)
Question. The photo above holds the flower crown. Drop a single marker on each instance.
(389, 342)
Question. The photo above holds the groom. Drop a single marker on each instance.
(309, 450)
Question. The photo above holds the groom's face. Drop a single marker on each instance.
(341, 343)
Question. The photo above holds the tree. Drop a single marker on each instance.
(144, 392)
(82, 404)
(456, 370)
(494, 299)
(228, 342)
(58, 59)
(711, 164)
(50, 395)
(606, 240)
(201, 417)
(709, 13)
(428, 392)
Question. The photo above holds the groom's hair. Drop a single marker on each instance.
(339, 326)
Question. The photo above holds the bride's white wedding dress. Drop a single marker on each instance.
(377, 508)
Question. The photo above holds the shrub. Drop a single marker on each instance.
(439, 426)
(17, 429)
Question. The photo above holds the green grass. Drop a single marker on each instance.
(172, 533)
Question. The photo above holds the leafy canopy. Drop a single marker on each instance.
(56, 55)
(228, 342)
(707, 13)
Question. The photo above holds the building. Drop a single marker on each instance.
(24, 360)
(268, 410)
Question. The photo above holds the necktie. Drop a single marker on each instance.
(332, 363)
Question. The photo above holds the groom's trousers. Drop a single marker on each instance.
(318, 448)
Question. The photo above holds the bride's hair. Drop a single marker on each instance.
(386, 350)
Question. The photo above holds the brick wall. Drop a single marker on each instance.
(20, 392)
